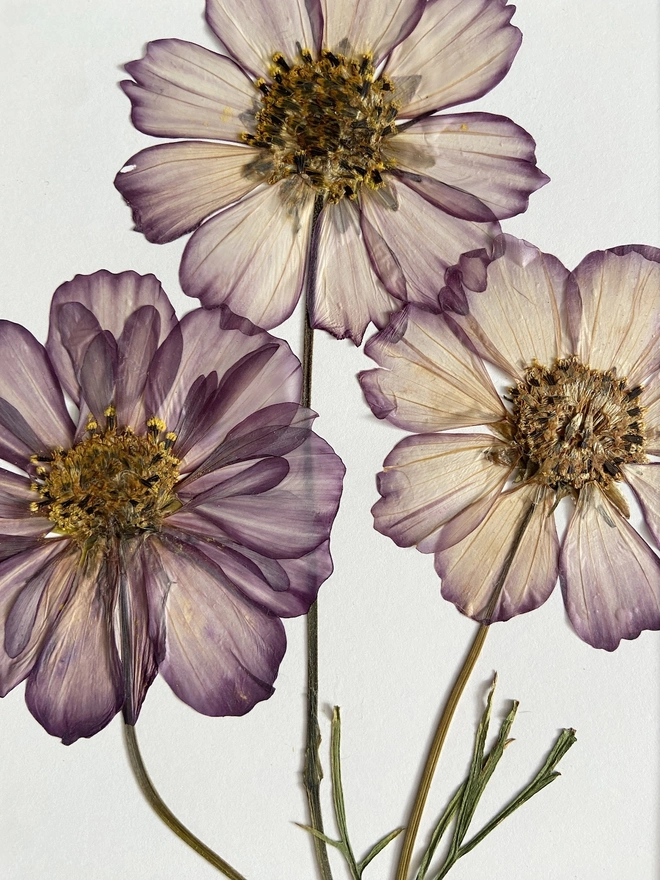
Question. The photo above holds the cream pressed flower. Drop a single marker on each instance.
(579, 420)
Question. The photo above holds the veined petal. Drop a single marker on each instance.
(171, 188)
(424, 239)
(251, 257)
(459, 51)
(76, 688)
(520, 316)
(16, 518)
(430, 478)
(618, 304)
(644, 480)
(214, 341)
(89, 304)
(508, 565)
(183, 90)
(253, 35)
(223, 651)
(48, 567)
(33, 415)
(349, 294)
(432, 382)
(610, 577)
(368, 26)
(486, 156)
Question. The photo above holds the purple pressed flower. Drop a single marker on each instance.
(171, 523)
(580, 420)
(310, 104)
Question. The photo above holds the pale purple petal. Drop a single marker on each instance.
(183, 90)
(477, 156)
(252, 35)
(136, 347)
(520, 317)
(287, 520)
(90, 303)
(211, 342)
(251, 257)
(16, 518)
(369, 26)
(425, 240)
(348, 293)
(508, 565)
(458, 52)
(46, 563)
(98, 374)
(619, 307)
(76, 688)
(432, 382)
(222, 650)
(430, 478)
(610, 577)
(644, 479)
(33, 415)
(171, 188)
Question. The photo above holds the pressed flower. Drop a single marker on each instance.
(328, 104)
(168, 525)
(580, 420)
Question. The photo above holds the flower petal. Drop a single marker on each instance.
(644, 480)
(21, 637)
(16, 518)
(486, 156)
(33, 415)
(171, 188)
(508, 565)
(459, 51)
(368, 26)
(619, 309)
(251, 257)
(432, 381)
(183, 90)
(348, 294)
(252, 36)
(76, 687)
(88, 304)
(223, 651)
(424, 239)
(610, 577)
(430, 478)
(213, 341)
(520, 317)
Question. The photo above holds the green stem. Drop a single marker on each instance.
(312, 772)
(163, 811)
(434, 753)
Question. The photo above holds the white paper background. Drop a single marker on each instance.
(586, 84)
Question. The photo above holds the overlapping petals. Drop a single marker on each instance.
(443, 185)
(197, 594)
(494, 539)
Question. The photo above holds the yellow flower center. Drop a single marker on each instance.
(326, 122)
(113, 483)
(573, 425)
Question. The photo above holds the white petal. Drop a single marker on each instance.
(368, 26)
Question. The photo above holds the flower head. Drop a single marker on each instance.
(168, 525)
(328, 104)
(580, 419)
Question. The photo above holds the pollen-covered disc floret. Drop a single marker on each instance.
(112, 483)
(573, 425)
(326, 122)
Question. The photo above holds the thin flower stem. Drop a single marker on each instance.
(434, 752)
(163, 811)
(452, 702)
(312, 772)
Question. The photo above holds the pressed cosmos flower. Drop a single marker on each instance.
(325, 105)
(581, 420)
(169, 525)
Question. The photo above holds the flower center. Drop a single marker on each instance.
(325, 121)
(113, 483)
(574, 425)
